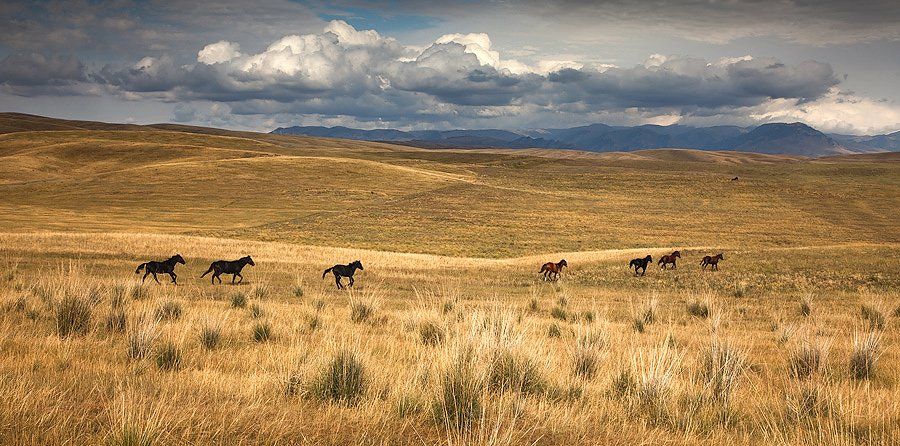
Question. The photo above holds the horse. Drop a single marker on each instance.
(164, 267)
(232, 267)
(551, 270)
(343, 271)
(713, 261)
(671, 258)
(640, 264)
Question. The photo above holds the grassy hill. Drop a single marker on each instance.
(449, 335)
(396, 198)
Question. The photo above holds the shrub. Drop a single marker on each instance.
(342, 380)
(721, 367)
(431, 333)
(169, 310)
(239, 300)
(168, 357)
(210, 335)
(262, 331)
(807, 359)
(865, 354)
(509, 370)
(73, 315)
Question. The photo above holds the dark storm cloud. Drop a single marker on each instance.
(36, 74)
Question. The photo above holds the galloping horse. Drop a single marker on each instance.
(551, 270)
(343, 271)
(232, 267)
(713, 261)
(640, 264)
(164, 267)
(671, 258)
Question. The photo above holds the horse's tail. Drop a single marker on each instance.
(139, 268)
(327, 271)
(543, 268)
(207, 271)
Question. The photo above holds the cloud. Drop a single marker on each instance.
(33, 74)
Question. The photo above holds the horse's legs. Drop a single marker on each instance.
(145, 276)
(154, 278)
(351, 282)
(337, 281)
(174, 277)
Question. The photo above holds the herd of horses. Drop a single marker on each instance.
(549, 271)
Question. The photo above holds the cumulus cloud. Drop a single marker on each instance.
(345, 71)
(32, 74)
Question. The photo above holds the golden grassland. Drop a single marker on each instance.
(450, 336)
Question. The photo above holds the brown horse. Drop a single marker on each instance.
(671, 258)
(712, 261)
(551, 270)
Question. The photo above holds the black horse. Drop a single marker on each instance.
(640, 264)
(343, 271)
(232, 267)
(164, 267)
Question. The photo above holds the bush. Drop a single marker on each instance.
(73, 315)
(168, 357)
(239, 300)
(262, 331)
(169, 311)
(342, 380)
(865, 354)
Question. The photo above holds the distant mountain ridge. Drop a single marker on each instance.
(775, 138)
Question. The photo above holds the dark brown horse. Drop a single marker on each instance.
(551, 270)
(343, 271)
(640, 264)
(232, 267)
(164, 267)
(712, 261)
(664, 261)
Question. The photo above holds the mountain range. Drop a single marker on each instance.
(775, 138)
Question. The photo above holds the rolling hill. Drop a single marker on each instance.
(776, 138)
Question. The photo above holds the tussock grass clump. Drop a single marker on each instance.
(343, 379)
(533, 305)
(805, 306)
(624, 384)
(553, 330)
(168, 357)
(865, 354)
(141, 336)
(137, 292)
(587, 354)
(431, 332)
(313, 322)
(785, 332)
(362, 306)
(262, 331)
(655, 372)
(260, 291)
(73, 315)
(448, 307)
(808, 359)
(698, 309)
(297, 291)
(644, 313)
(210, 334)
(637, 324)
(318, 304)
(238, 300)
(256, 311)
(874, 314)
(460, 390)
(807, 399)
(721, 367)
(169, 310)
(559, 312)
(116, 320)
(510, 370)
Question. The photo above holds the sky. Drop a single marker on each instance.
(409, 65)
